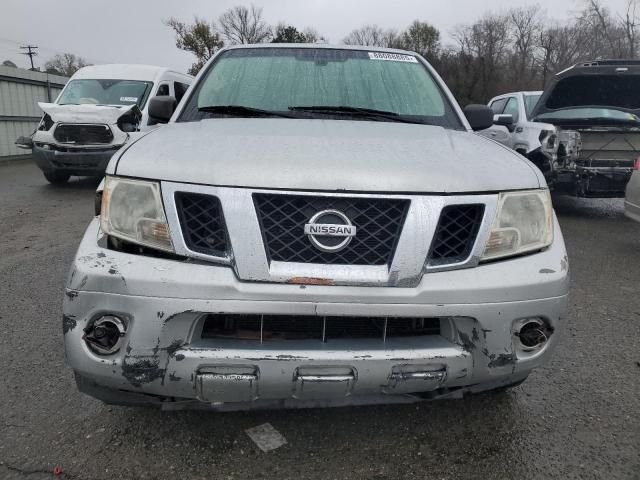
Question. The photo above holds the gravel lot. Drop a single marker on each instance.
(579, 417)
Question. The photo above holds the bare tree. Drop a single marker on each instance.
(371, 35)
(606, 38)
(66, 64)
(312, 35)
(525, 24)
(200, 38)
(244, 25)
(484, 45)
(630, 27)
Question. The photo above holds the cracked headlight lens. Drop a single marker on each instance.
(523, 223)
(132, 210)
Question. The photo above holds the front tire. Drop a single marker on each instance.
(57, 178)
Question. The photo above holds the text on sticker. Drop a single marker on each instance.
(128, 99)
(393, 57)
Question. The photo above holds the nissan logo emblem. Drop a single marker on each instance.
(330, 231)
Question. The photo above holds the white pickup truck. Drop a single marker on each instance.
(515, 129)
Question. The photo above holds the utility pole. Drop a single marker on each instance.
(31, 52)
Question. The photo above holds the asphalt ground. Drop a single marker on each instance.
(578, 417)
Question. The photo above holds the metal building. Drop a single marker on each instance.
(20, 92)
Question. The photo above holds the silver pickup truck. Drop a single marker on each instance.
(316, 226)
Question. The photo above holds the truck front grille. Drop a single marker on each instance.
(283, 217)
(263, 328)
(455, 234)
(79, 134)
(202, 223)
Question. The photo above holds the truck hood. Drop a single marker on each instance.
(108, 114)
(329, 155)
(607, 86)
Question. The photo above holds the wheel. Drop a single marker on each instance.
(56, 178)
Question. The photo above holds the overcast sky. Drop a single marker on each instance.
(131, 31)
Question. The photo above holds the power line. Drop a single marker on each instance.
(30, 53)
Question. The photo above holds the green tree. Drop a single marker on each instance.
(200, 38)
(289, 34)
(422, 38)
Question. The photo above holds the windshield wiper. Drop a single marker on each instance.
(241, 110)
(357, 111)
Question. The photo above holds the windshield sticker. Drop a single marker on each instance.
(129, 99)
(393, 57)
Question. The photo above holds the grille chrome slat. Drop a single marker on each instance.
(378, 222)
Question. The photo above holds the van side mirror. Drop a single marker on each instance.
(25, 143)
(480, 117)
(161, 109)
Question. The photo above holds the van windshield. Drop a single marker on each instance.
(320, 83)
(105, 92)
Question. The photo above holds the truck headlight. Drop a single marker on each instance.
(549, 141)
(523, 223)
(132, 210)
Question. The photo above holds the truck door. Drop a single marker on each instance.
(498, 132)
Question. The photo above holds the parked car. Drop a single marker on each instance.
(599, 101)
(101, 108)
(316, 226)
(632, 200)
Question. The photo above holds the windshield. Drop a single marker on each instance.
(105, 92)
(289, 79)
(589, 113)
(530, 102)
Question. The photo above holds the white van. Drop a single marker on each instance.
(100, 109)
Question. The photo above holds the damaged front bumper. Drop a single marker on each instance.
(166, 359)
(74, 161)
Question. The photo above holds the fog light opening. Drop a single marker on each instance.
(105, 335)
(533, 334)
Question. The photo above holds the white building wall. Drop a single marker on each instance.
(20, 92)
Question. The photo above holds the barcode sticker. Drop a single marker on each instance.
(392, 57)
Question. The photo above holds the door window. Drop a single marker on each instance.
(512, 109)
(180, 89)
(498, 106)
(163, 90)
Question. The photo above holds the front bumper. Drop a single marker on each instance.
(592, 182)
(89, 162)
(164, 359)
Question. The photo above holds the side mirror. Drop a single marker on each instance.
(480, 117)
(504, 119)
(161, 109)
(25, 143)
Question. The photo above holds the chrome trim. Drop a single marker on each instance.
(249, 259)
